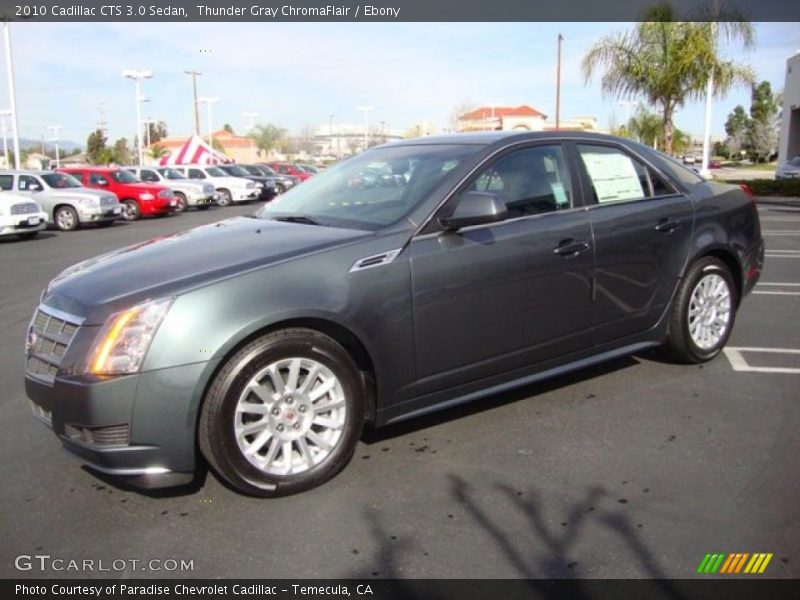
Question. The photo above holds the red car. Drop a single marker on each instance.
(137, 198)
(290, 169)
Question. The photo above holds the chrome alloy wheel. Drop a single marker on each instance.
(290, 416)
(66, 219)
(709, 311)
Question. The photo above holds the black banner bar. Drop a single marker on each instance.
(733, 588)
(383, 10)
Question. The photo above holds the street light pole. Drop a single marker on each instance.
(54, 129)
(209, 101)
(558, 82)
(11, 94)
(366, 110)
(137, 76)
(3, 115)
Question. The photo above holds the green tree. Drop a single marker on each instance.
(155, 151)
(227, 127)
(96, 147)
(667, 61)
(762, 128)
(736, 126)
(121, 153)
(157, 131)
(267, 137)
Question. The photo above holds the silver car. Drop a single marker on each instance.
(66, 202)
(188, 192)
(789, 170)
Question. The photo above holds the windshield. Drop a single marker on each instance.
(216, 172)
(60, 180)
(253, 170)
(371, 190)
(236, 170)
(125, 177)
(266, 170)
(171, 174)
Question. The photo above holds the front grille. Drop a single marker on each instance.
(113, 435)
(49, 337)
(24, 208)
(109, 201)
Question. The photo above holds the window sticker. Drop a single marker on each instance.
(614, 176)
(560, 194)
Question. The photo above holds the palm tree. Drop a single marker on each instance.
(267, 137)
(155, 151)
(668, 62)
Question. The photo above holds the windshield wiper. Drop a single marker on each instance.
(305, 219)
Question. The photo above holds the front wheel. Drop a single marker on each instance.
(284, 414)
(181, 204)
(66, 218)
(131, 210)
(703, 314)
(225, 198)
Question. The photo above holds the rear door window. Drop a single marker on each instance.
(196, 174)
(6, 183)
(614, 176)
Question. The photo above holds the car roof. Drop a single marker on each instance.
(484, 138)
(91, 168)
(25, 172)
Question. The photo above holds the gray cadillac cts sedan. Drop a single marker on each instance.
(409, 278)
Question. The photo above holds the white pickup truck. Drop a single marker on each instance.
(230, 189)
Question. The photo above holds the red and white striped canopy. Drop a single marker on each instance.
(194, 152)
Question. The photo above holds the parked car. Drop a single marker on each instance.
(188, 192)
(63, 198)
(20, 216)
(789, 170)
(138, 199)
(283, 183)
(290, 169)
(265, 184)
(268, 341)
(714, 164)
(229, 189)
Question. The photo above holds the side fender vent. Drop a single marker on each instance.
(376, 260)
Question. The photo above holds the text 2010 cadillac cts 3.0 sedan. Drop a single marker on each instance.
(488, 261)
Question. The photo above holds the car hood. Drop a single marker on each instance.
(229, 181)
(79, 192)
(185, 184)
(169, 265)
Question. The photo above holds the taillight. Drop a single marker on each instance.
(746, 189)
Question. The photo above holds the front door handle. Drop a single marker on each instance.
(667, 226)
(571, 248)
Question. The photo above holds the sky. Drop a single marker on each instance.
(298, 74)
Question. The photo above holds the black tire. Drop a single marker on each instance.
(131, 210)
(66, 218)
(225, 197)
(279, 189)
(182, 203)
(29, 235)
(216, 436)
(680, 345)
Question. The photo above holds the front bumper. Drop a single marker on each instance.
(16, 224)
(202, 199)
(159, 206)
(245, 194)
(99, 214)
(138, 427)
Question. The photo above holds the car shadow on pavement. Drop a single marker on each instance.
(547, 553)
(13, 239)
(372, 435)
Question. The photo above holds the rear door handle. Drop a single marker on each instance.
(667, 226)
(570, 248)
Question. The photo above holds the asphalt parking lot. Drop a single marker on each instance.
(636, 468)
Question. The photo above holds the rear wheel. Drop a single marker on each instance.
(284, 414)
(181, 204)
(704, 312)
(130, 210)
(66, 218)
(225, 197)
(279, 188)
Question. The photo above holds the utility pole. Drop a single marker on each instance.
(54, 139)
(209, 101)
(193, 75)
(11, 94)
(558, 82)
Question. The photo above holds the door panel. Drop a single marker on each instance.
(641, 241)
(493, 299)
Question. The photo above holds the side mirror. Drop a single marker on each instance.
(476, 208)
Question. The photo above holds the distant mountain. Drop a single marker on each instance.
(32, 145)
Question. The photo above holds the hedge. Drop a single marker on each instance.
(771, 187)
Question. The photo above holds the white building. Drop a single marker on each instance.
(789, 142)
(341, 139)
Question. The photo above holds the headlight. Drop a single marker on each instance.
(165, 194)
(124, 340)
(258, 184)
(146, 196)
(250, 184)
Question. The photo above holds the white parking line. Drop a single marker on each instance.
(777, 293)
(773, 292)
(782, 253)
(738, 362)
(778, 232)
(778, 283)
